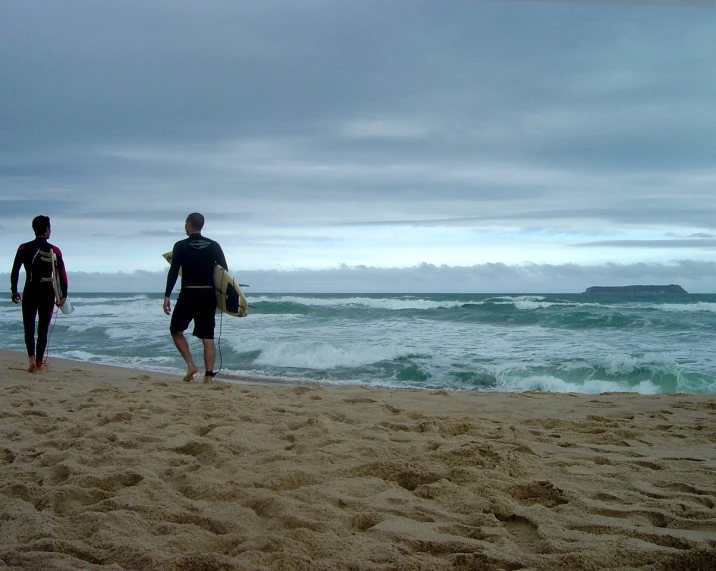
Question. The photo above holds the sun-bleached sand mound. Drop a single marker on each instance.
(117, 469)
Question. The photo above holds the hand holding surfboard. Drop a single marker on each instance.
(61, 301)
(229, 297)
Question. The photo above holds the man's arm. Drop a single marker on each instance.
(15, 274)
(173, 269)
(220, 258)
(172, 277)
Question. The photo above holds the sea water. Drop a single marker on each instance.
(584, 343)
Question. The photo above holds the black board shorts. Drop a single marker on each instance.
(198, 304)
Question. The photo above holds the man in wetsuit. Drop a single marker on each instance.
(38, 295)
(196, 256)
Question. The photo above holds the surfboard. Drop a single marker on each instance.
(67, 307)
(229, 297)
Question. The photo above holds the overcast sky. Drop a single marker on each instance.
(391, 145)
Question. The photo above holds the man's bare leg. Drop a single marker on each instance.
(32, 364)
(209, 357)
(183, 345)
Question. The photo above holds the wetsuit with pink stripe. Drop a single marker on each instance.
(38, 295)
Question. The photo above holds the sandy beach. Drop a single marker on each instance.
(119, 469)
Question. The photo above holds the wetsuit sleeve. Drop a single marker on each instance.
(220, 258)
(173, 269)
(62, 271)
(16, 265)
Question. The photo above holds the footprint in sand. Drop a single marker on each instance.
(7, 456)
(71, 500)
(541, 492)
(524, 533)
(359, 400)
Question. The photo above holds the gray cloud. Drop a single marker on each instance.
(24, 208)
(666, 244)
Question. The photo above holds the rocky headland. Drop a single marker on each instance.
(671, 288)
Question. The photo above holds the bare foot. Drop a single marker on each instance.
(191, 371)
(32, 367)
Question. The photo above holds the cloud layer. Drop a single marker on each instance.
(695, 277)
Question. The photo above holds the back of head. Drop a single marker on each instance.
(40, 224)
(196, 220)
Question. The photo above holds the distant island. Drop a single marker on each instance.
(671, 288)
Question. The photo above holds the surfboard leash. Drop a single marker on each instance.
(221, 359)
(53, 320)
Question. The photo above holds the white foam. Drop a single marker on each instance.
(393, 304)
(320, 356)
(143, 308)
(117, 333)
(622, 364)
(86, 299)
(556, 385)
(532, 302)
(81, 355)
(529, 305)
(80, 327)
(699, 307)
(273, 318)
(512, 298)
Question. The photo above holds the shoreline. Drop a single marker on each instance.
(64, 364)
(112, 468)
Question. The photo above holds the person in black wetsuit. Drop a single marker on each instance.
(38, 295)
(196, 256)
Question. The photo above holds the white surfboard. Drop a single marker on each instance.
(66, 307)
(229, 297)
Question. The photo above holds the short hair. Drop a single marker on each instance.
(196, 220)
(40, 224)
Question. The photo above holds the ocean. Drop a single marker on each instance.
(584, 343)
